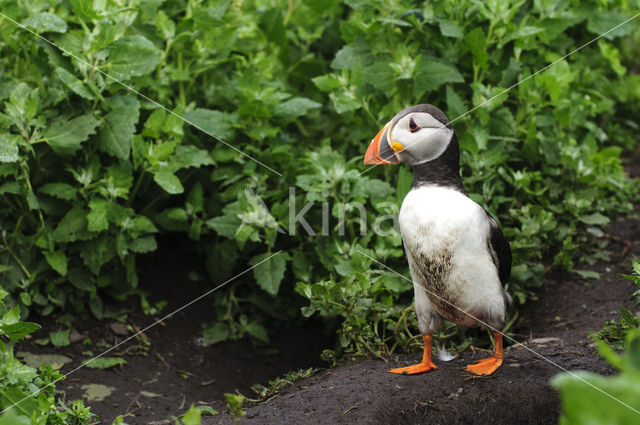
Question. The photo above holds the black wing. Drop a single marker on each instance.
(500, 250)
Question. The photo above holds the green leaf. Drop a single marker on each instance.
(193, 416)
(97, 252)
(476, 42)
(344, 102)
(12, 316)
(598, 403)
(221, 259)
(296, 107)
(25, 297)
(257, 331)
(455, 105)
(87, 8)
(74, 84)
(379, 75)
(327, 82)
(195, 200)
(9, 151)
(141, 225)
(216, 123)
(57, 260)
(97, 218)
(165, 25)
(11, 187)
(59, 190)
(25, 404)
(208, 410)
(612, 54)
(143, 244)
(588, 274)
(66, 136)
(168, 181)
(216, 333)
(594, 219)
(450, 29)
(173, 125)
(117, 130)
(12, 417)
(103, 363)
(431, 74)
(153, 125)
(521, 32)
(601, 22)
(351, 55)
(17, 331)
(96, 307)
(73, 226)
(45, 22)
(56, 361)
(269, 274)
(60, 338)
(133, 56)
(189, 156)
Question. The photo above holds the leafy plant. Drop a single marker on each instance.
(194, 415)
(275, 385)
(234, 406)
(26, 394)
(591, 398)
(635, 277)
(614, 333)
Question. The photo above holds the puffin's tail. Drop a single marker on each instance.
(508, 299)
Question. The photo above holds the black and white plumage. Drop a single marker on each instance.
(458, 257)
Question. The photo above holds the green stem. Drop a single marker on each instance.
(181, 95)
(28, 181)
(132, 195)
(289, 12)
(365, 105)
(15, 257)
(301, 128)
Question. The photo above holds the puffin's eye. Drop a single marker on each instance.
(413, 126)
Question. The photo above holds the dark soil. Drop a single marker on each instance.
(554, 332)
(177, 370)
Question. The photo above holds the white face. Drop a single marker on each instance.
(418, 137)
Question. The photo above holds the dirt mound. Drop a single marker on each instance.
(556, 327)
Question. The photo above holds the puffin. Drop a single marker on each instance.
(458, 257)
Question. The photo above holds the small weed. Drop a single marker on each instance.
(234, 406)
(275, 385)
(614, 333)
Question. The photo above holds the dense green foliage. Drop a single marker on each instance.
(18, 381)
(91, 173)
(589, 398)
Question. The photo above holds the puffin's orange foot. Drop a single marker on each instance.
(415, 369)
(485, 367)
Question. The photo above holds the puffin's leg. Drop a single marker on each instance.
(491, 364)
(425, 366)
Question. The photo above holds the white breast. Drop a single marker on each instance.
(446, 239)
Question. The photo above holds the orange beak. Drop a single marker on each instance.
(373, 151)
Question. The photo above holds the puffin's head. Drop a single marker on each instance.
(415, 135)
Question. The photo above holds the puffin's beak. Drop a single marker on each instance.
(378, 146)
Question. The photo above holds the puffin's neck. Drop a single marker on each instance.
(443, 171)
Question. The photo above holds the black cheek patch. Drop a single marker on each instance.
(386, 153)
